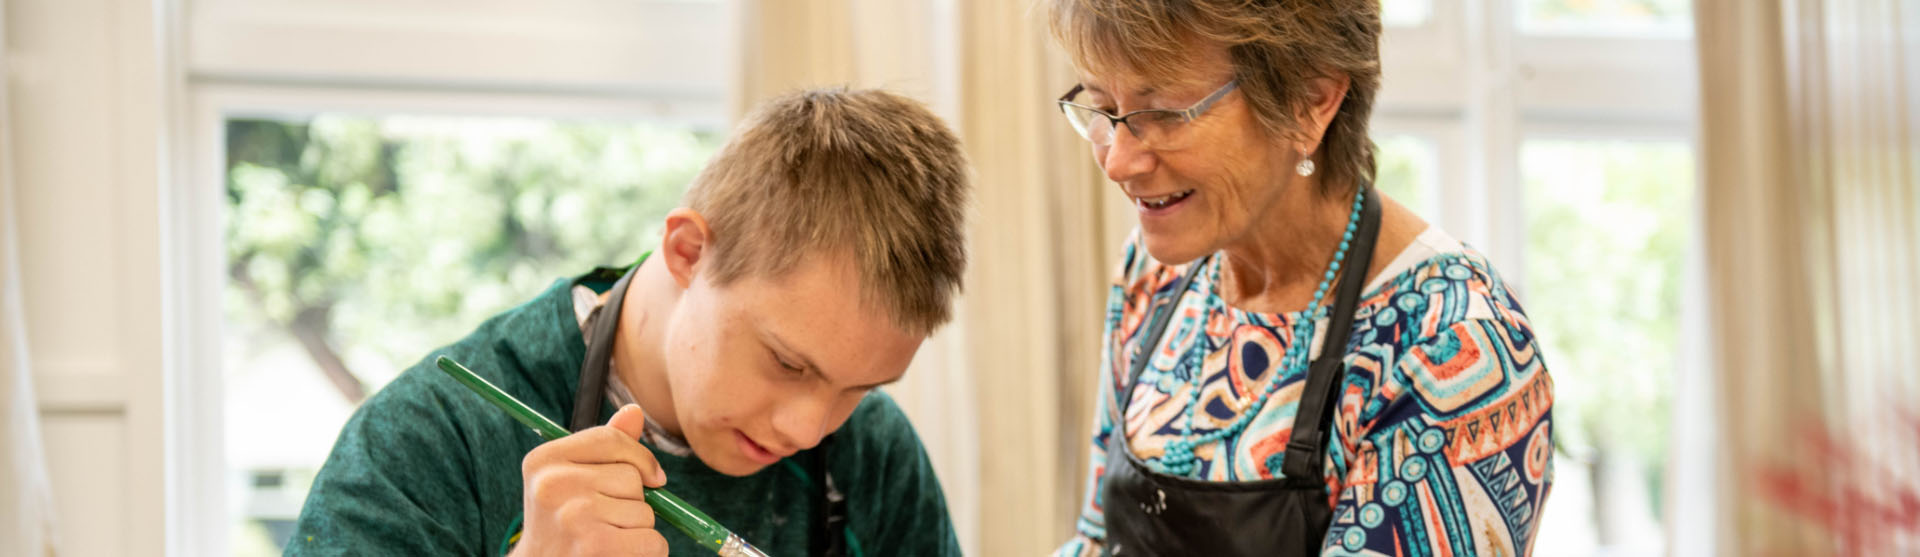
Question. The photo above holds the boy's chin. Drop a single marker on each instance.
(732, 465)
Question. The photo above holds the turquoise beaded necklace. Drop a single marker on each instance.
(1179, 459)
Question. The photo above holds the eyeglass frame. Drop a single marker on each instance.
(1186, 115)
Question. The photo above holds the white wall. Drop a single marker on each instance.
(85, 89)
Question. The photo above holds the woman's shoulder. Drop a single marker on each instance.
(1440, 282)
(1448, 330)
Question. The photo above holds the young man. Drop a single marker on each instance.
(812, 256)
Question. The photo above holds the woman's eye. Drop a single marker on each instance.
(1160, 117)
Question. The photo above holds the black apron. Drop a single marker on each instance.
(1149, 513)
(830, 529)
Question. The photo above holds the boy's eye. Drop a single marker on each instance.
(786, 366)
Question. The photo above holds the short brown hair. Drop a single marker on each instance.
(865, 173)
(1277, 47)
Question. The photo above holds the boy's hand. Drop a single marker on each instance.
(584, 493)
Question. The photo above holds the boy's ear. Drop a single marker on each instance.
(683, 242)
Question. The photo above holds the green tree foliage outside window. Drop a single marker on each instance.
(366, 242)
(396, 235)
(1608, 224)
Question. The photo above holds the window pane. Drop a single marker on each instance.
(1405, 13)
(1410, 172)
(355, 245)
(1658, 18)
(1607, 236)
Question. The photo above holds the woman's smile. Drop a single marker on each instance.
(1157, 205)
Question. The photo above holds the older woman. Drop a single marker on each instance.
(1294, 363)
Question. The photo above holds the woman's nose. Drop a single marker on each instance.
(1125, 158)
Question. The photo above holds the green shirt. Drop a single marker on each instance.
(425, 467)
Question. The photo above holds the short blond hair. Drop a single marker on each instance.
(1277, 48)
(826, 172)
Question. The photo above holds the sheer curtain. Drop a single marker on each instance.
(1809, 125)
(26, 496)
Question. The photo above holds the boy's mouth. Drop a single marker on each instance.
(756, 452)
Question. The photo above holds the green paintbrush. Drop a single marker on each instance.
(676, 511)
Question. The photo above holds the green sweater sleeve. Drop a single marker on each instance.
(397, 483)
(894, 502)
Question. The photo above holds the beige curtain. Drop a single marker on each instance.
(1809, 125)
(26, 496)
(791, 44)
(1004, 396)
(786, 44)
(1044, 244)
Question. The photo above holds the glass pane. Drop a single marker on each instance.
(1658, 18)
(1405, 13)
(1410, 172)
(357, 244)
(1608, 229)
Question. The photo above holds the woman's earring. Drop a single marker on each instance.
(1305, 168)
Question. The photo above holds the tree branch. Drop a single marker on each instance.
(310, 327)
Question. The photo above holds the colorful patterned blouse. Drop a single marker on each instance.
(1442, 444)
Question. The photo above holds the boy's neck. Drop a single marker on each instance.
(637, 341)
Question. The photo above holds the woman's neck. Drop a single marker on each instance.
(1277, 264)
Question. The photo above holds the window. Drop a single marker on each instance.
(1409, 172)
(1668, 18)
(1405, 13)
(366, 185)
(1553, 136)
(1607, 237)
(356, 244)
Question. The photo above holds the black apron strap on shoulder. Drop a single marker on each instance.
(1306, 451)
(1159, 315)
(593, 371)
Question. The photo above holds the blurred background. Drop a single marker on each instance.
(228, 222)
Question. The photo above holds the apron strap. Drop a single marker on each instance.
(593, 371)
(1306, 450)
(1160, 314)
(830, 528)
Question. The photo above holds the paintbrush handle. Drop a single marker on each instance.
(674, 510)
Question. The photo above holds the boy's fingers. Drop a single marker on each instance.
(618, 443)
(618, 480)
(630, 420)
(623, 513)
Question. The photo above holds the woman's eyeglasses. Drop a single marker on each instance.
(1155, 127)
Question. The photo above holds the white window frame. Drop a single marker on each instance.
(625, 48)
(1471, 81)
(1443, 133)
(659, 60)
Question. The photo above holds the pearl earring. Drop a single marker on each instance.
(1305, 168)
